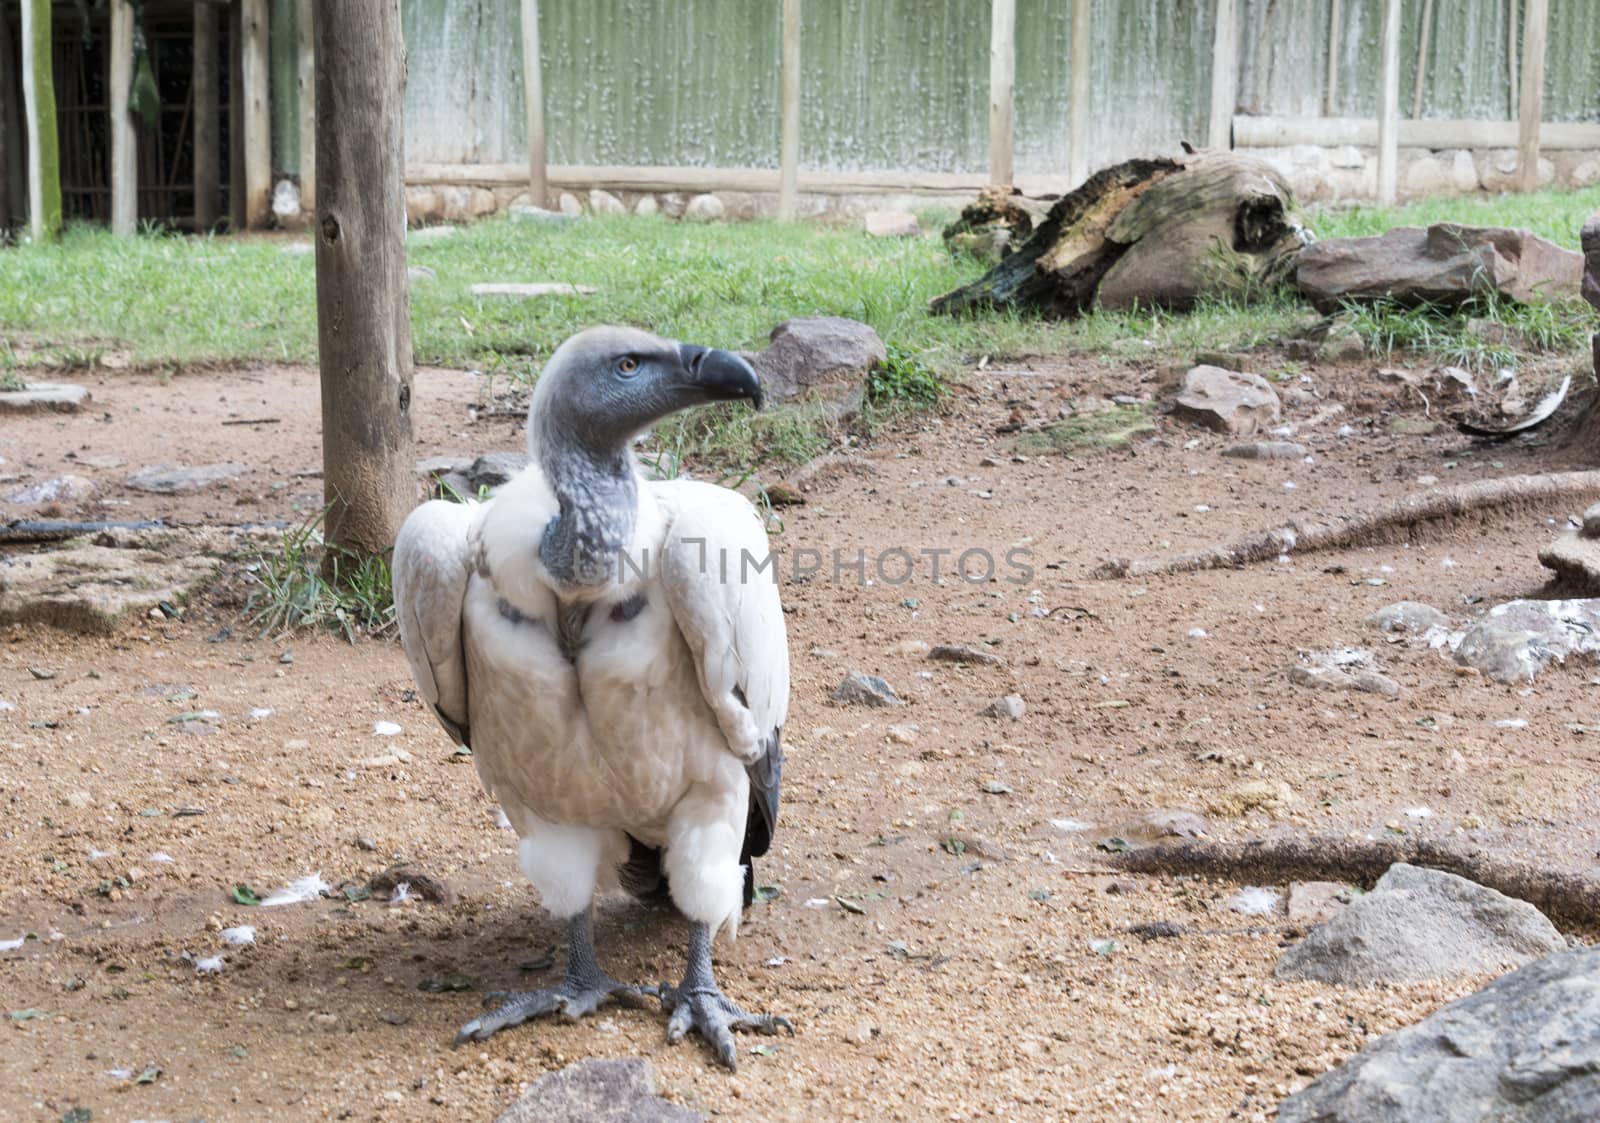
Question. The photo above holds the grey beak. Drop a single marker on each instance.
(721, 376)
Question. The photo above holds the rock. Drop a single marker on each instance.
(1011, 706)
(170, 479)
(91, 585)
(1172, 823)
(1442, 264)
(891, 224)
(45, 397)
(469, 477)
(646, 205)
(1522, 1050)
(673, 205)
(423, 884)
(420, 273)
(1227, 401)
(1515, 640)
(1419, 925)
(780, 494)
(1426, 176)
(614, 1090)
(286, 201)
(1266, 450)
(1332, 678)
(57, 489)
(1252, 795)
(1342, 344)
(704, 208)
(954, 653)
(1407, 616)
(822, 360)
(543, 217)
(534, 289)
(860, 689)
(1591, 522)
(568, 202)
(604, 202)
(1314, 902)
(860, 1033)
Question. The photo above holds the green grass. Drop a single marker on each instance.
(1556, 215)
(305, 584)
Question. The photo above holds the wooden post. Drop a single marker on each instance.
(1389, 104)
(44, 145)
(533, 95)
(207, 137)
(124, 149)
(789, 142)
(255, 78)
(1330, 96)
(13, 162)
(363, 324)
(237, 214)
(1423, 35)
(307, 83)
(1078, 152)
(1224, 75)
(1002, 94)
(1535, 28)
(1511, 54)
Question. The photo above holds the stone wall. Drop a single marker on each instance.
(1329, 174)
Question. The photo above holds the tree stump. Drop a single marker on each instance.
(1162, 232)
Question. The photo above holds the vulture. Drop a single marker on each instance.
(612, 651)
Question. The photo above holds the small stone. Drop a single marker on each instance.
(1253, 795)
(605, 203)
(1011, 706)
(57, 489)
(903, 734)
(860, 1033)
(1266, 450)
(647, 206)
(1227, 401)
(43, 674)
(704, 208)
(957, 653)
(45, 397)
(859, 689)
(1591, 522)
(364, 843)
(1313, 902)
(891, 224)
(595, 1090)
(569, 205)
(291, 1004)
(170, 479)
(1407, 616)
(780, 494)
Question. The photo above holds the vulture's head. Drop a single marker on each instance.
(606, 385)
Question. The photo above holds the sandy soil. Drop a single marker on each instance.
(968, 979)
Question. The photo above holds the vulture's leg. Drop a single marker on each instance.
(698, 1003)
(584, 990)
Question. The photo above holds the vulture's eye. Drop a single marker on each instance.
(627, 366)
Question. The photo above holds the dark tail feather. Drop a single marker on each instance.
(642, 876)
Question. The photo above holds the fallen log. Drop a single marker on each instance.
(1161, 232)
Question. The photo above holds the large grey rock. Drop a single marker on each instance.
(44, 397)
(57, 489)
(1575, 560)
(619, 1090)
(1516, 640)
(1227, 401)
(170, 479)
(1525, 1049)
(1445, 263)
(860, 689)
(1417, 925)
(1407, 616)
(468, 476)
(822, 360)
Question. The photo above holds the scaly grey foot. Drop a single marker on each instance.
(699, 1004)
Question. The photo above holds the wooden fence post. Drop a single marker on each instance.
(1078, 152)
(363, 319)
(1330, 95)
(1422, 58)
(44, 145)
(255, 78)
(1389, 105)
(306, 82)
(533, 99)
(207, 135)
(1224, 75)
(124, 149)
(1002, 95)
(789, 141)
(1535, 29)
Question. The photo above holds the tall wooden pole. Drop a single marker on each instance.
(255, 67)
(789, 141)
(307, 87)
(1224, 74)
(1511, 54)
(124, 150)
(13, 161)
(207, 135)
(1078, 152)
(1330, 95)
(1002, 93)
(363, 324)
(44, 145)
(533, 97)
(1389, 105)
(1422, 58)
(1535, 29)
(237, 214)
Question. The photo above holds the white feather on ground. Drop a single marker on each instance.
(1254, 900)
(241, 936)
(302, 889)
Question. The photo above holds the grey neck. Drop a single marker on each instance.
(599, 498)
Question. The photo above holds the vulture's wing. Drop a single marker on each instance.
(721, 586)
(433, 557)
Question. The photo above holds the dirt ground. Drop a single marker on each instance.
(970, 975)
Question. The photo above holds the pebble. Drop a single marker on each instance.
(958, 653)
(860, 1033)
(1011, 706)
(859, 689)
